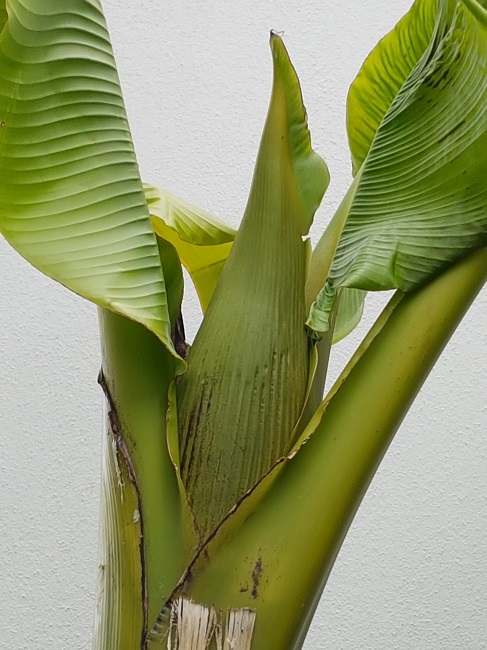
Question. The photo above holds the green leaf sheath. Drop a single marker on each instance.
(247, 370)
(274, 554)
(138, 371)
(71, 200)
(421, 202)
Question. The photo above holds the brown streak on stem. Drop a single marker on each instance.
(124, 452)
(256, 576)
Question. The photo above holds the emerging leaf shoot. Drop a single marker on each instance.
(247, 375)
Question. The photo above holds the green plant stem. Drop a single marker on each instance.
(154, 531)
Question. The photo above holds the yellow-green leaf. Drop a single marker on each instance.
(202, 241)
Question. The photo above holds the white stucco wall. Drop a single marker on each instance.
(412, 573)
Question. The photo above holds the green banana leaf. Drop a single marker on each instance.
(421, 144)
(72, 203)
(383, 74)
(71, 199)
(311, 175)
(203, 242)
(192, 225)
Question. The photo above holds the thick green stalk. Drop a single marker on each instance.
(144, 546)
(275, 553)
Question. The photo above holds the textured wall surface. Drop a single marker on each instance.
(412, 573)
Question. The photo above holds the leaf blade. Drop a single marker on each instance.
(421, 203)
(71, 199)
(382, 75)
(203, 242)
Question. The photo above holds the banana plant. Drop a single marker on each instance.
(229, 481)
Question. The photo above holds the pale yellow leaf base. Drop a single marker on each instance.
(197, 627)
